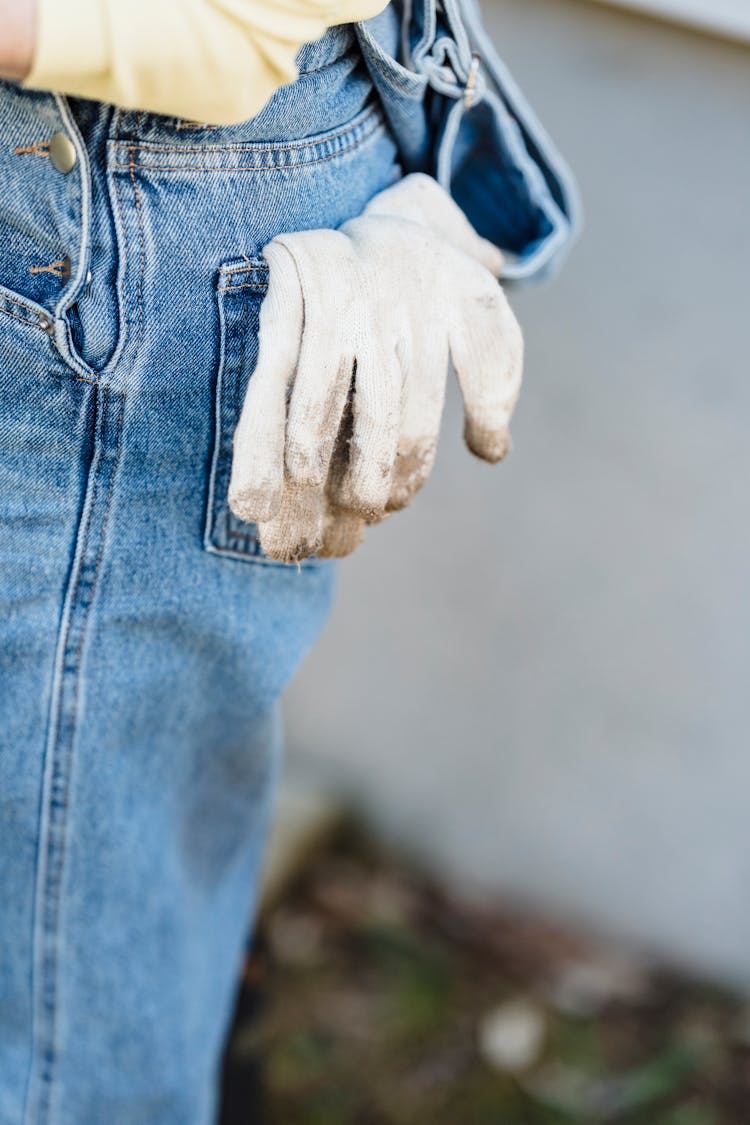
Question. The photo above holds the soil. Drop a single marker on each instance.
(376, 996)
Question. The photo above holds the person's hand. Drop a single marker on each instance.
(17, 34)
(341, 416)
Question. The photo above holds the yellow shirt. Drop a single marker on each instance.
(216, 61)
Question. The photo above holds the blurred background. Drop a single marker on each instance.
(535, 688)
(540, 677)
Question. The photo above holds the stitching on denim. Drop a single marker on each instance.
(142, 242)
(59, 269)
(395, 78)
(255, 170)
(231, 368)
(23, 319)
(53, 882)
(233, 271)
(119, 226)
(245, 536)
(262, 285)
(220, 538)
(46, 985)
(10, 297)
(37, 325)
(250, 272)
(91, 594)
(240, 364)
(320, 69)
(100, 552)
(193, 125)
(249, 267)
(306, 566)
(39, 148)
(371, 116)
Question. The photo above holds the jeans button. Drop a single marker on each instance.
(62, 153)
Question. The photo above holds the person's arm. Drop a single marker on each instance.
(17, 34)
(216, 61)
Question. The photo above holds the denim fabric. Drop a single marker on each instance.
(457, 114)
(144, 639)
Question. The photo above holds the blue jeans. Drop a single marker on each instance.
(144, 639)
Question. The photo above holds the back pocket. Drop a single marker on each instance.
(241, 287)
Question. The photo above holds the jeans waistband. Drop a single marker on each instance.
(333, 85)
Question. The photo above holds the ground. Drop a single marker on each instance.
(376, 997)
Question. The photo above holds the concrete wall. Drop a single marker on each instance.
(728, 17)
(540, 676)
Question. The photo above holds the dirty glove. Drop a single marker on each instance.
(341, 417)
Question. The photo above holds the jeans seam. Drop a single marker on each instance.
(114, 191)
(215, 531)
(261, 286)
(123, 241)
(23, 319)
(23, 308)
(256, 170)
(141, 243)
(219, 537)
(365, 116)
(228, 169)
(37, 325)
(58, 772)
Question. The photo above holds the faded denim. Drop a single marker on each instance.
(144, 641)
(144, 638)
(458, 114)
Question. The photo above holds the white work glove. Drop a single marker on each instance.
(341, 418)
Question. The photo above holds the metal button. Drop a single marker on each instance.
(62, 153)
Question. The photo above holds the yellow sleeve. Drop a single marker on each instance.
(216, 61)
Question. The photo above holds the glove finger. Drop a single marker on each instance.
(376, 418)
(296, 531)
(257, 477)
(487, 351)
(340, 458)
(325, 264)
(424, 399)
(343, 532)
(318, 400)
(419, 198)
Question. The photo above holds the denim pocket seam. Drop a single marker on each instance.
(219, 538)
(363, 118)
(255, 169)
(14, 305)
(22, 319)
(244, 285)
(260, 156)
